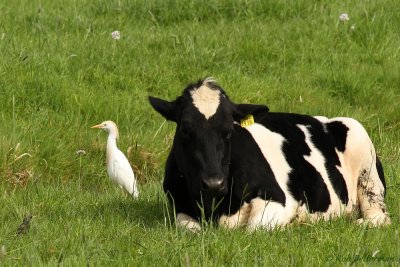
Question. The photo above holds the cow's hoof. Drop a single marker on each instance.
(378, 221)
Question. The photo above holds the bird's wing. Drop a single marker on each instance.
(123, 172)
(121, 164)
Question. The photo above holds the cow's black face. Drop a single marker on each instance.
(202, 150)
(205, 118)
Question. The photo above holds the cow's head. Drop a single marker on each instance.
(205, 124)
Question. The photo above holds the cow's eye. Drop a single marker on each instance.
(228, 135)
(184, 132)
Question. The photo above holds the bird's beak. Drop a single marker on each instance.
(97, 126)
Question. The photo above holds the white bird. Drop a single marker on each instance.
(118, 168)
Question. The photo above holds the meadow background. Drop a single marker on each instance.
(61, 72)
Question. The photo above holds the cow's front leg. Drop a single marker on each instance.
(238, 219)
(267, 214)
(187, 222)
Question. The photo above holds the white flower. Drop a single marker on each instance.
(116, 35)
(81, 152)
(353, 27)
(344, 17)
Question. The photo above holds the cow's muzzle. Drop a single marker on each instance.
(214, 185)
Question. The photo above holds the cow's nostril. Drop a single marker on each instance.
(213, 184)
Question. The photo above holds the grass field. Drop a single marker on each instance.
(61, 72)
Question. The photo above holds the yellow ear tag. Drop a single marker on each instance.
(247, 121)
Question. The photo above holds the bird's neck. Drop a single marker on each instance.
(111, 141)
(111, 146)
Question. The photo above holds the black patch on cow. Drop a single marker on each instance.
(251, 173)
(174, 186)
(326, 143)
(339, 131)
(305, 182)
(381, 174)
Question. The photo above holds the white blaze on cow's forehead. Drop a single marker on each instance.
(206, 100)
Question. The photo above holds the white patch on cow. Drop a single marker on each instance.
(265, 213)
(238, 219)
(187, 222)
(269, 215)
(321, 118)
(351, 183)
(317, 160)
(205, 99)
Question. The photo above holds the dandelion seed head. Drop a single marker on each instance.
(116, 35)
(81, 152)
(344, 17)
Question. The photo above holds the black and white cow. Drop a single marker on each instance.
(268, 169)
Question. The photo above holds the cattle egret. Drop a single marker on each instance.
(118, 168)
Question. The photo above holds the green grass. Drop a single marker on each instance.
(61, 72)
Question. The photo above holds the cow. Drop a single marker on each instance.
(239, 165)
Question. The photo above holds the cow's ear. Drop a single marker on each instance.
(242, 110)
(165, 108)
